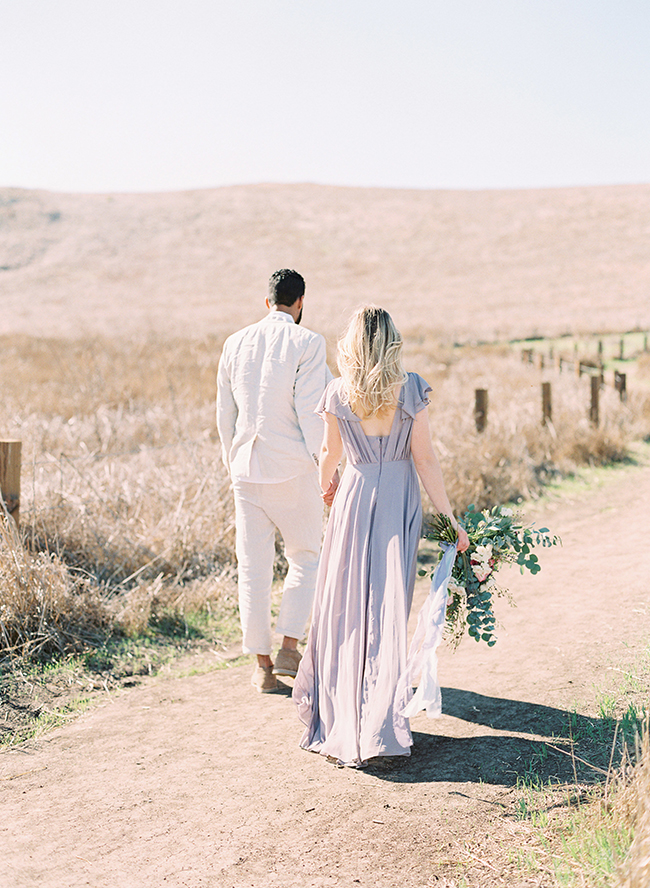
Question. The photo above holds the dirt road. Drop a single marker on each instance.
(199, 781)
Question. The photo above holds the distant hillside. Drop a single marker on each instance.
(471, 265)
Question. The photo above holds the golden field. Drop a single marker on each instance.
(115, 308)
(460, 265)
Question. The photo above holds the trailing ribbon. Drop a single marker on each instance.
(422, 658)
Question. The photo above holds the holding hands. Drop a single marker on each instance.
(328, 495)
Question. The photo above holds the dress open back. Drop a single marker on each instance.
(346, 689)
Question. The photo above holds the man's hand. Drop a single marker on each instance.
(328, 495)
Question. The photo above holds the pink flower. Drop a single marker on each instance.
(481, 571)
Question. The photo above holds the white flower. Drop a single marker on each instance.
(507, 513)
(455, 589)
(482, 553)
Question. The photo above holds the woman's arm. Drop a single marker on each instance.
(428, 468)
(331, 451)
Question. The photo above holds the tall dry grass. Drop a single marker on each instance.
(595, 836)
(606, 841)
(634, 808)
(126, 509)
(45, 609)
(123, 489)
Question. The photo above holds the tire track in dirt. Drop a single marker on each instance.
(199, 781)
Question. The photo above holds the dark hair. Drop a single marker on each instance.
(286, 287)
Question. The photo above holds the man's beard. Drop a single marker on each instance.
(299, 318)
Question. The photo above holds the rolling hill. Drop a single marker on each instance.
(462, 264)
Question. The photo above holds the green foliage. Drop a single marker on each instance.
(497, 536)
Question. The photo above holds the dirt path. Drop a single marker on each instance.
(199, 781)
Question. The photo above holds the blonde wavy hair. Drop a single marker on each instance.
(370, 361)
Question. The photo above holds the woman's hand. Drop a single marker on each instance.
(328, 495)
(463, 539)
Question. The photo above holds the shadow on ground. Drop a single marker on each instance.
(574, 749)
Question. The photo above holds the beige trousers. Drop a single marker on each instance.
(295, 508)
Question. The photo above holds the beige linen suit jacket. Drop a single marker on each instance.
(270, 379)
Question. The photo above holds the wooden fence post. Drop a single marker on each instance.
(621, 356)
(593, 407)
(620, 384)
(480, 408)
(10, 477)
(546, 403)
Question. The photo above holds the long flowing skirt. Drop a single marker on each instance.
(347, 689)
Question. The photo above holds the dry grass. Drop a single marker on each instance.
(604, 840)
(515, 456)
(595, 830)
(45, 608)
(124, 493)
(633, 805)
(126, 510)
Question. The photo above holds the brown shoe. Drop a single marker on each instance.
(287, 662)
(263, 679)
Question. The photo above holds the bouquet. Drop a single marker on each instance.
(496, 537)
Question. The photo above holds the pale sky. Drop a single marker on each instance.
(160, 95)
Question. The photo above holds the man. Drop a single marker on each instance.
(270, 379)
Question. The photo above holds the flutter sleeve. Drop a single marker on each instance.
(415, 395)
(332, 402)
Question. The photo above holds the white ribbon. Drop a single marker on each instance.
(422, 658)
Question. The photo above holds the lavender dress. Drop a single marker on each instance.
(346, 689)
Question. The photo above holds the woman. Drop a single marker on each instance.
(346, 689)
